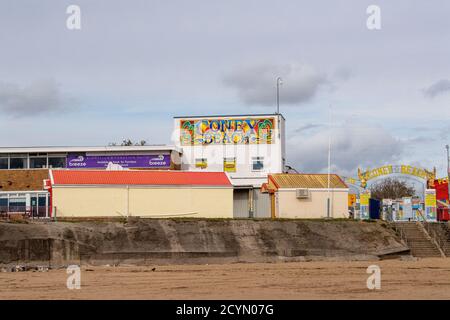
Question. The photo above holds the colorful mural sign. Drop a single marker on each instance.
(127, 161)
(227, 131)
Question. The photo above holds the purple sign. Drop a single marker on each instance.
(127, 161)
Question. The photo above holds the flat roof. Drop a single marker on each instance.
(234, 116)
(88, 149)
(138, 177)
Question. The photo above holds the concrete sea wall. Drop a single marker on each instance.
(168, 241)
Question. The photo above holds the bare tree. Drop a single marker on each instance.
(129, 142)
(391, 189)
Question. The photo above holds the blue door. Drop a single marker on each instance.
(374, 208)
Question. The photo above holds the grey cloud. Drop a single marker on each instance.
(419, 139)
(439, 87)
(307, 127)
(352, 147)
(256, 85)
(40, 97)
(343, 74)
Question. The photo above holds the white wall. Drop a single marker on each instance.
(273, 154)
(288, 206)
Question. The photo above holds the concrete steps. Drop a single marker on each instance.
(418, 241)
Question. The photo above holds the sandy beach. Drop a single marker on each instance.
(421, 279)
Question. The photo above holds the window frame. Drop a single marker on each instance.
(256, 160)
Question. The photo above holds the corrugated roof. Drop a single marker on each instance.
(138, 177)
(306, 181)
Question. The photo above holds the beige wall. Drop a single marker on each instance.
(288, 206)
(144, 202)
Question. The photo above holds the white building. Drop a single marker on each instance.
(247, 147)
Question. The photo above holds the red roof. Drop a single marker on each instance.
(138, 177)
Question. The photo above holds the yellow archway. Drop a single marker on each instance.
(417, 172)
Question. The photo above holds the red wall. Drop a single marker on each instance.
(441, 187)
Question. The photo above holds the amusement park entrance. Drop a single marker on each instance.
(421, 206)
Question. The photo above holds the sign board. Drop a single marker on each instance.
(227, 131)
(364, 199)
(229, 165)
(430, 205)
(351, 200)
(364, 205)
(201, 163)
(395, 169)
(407, 210)
(441, 187)
(81, 161)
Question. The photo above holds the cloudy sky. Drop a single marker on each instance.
(136, 64)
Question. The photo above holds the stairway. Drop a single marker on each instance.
(418, 240)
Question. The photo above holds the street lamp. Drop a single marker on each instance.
(329, 164)
(279, 83)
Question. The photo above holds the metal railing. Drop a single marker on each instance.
(30, 212)
(431, 232)
(401, 233)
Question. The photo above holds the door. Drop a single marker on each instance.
(34, 206)
(241, 200)
(42, 207)
(262, 204)
(374, 209)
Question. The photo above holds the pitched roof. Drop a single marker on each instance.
(138, 177)
(300, 180)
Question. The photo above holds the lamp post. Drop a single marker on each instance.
(279, 83)
(329, 166)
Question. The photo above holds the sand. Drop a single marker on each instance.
(421, 279)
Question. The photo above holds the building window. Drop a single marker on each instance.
(257, 164)
(56, 162)
(18, 162)
(201, 163)
(229, 164)
(38, 162)
(3, 203)
(3, 163)
(17, 204)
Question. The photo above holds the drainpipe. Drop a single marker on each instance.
(128, 202)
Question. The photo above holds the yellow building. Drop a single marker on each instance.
(306, 196)
(137, 193)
